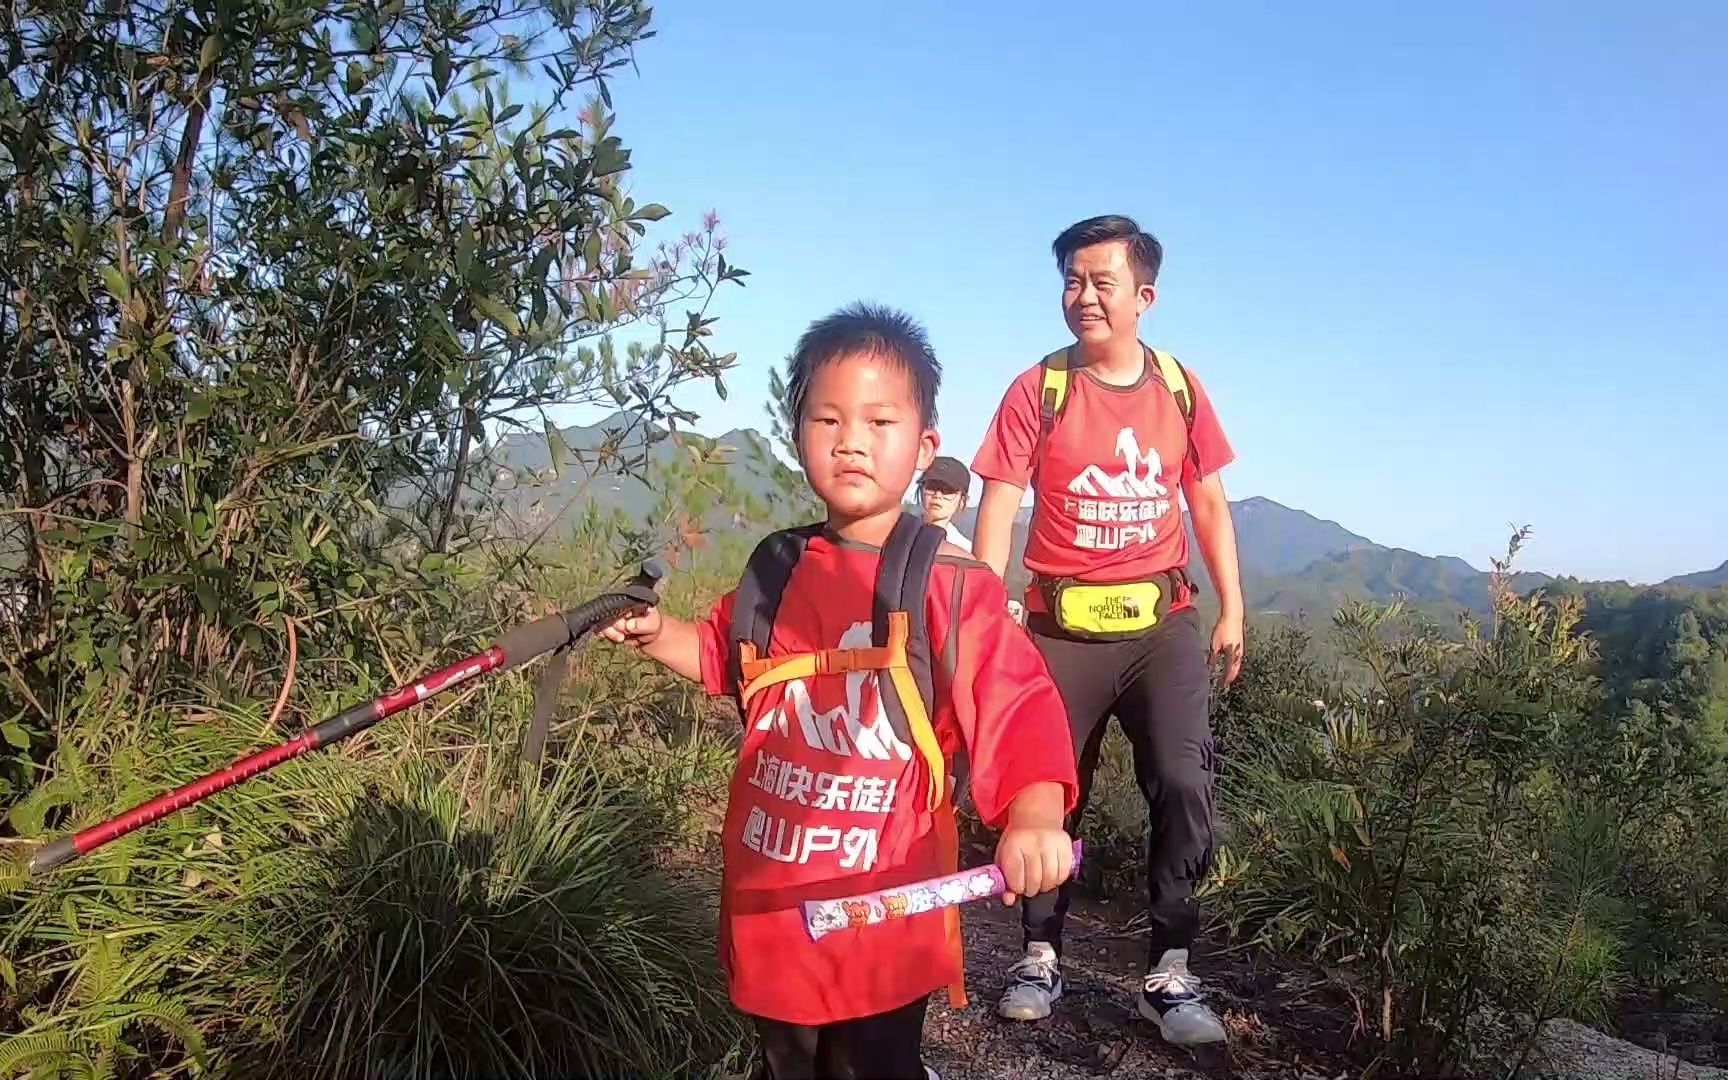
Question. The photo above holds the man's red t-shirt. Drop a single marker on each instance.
(828, 801)
(1105, 485)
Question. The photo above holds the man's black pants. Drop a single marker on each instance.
(1156, 686)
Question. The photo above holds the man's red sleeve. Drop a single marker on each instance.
(1007, 706)
(1006, 453)
(714, 635)
(1209, 449)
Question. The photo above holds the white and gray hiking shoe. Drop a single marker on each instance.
(1035, 984)
(1171, 999)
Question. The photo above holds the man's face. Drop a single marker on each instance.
(1100, 299)
(941, 503)
(861, 438)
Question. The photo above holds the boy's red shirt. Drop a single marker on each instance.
(1106, 483)
(827, 801)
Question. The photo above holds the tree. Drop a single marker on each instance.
(271, 271)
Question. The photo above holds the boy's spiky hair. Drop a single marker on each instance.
(872, 329)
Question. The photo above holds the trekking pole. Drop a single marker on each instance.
(518, 646)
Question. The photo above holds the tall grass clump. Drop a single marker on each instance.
(380, 914)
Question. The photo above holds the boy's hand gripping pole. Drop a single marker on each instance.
(516, 647)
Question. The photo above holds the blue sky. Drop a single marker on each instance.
(1444, 267)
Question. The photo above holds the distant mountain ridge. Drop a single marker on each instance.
(1703, 579)
(1292, 562)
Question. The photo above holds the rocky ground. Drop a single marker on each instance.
(1283, 1023)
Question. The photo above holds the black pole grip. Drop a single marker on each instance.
(523, 643)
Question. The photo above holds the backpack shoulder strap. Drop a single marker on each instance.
(1177, 380)
(902, 581)
(1053, 388)
(758, 598)
(909, 693)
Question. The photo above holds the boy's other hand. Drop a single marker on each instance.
(636, 629)
(1033, 859)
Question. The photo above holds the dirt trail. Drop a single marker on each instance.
(1284, 1023)
(1281, 1025)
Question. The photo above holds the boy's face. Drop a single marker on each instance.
(861, 438)
(1100, 299)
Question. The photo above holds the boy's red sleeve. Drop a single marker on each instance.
(714, 636)
(1008, 708)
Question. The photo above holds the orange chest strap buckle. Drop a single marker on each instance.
(900, 692)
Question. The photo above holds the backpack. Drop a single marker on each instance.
(900, 646)
(1055, 388)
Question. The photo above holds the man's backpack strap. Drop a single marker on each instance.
(1053, 394)
(1177, 380)
(1053, 389)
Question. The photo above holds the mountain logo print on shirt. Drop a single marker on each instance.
(1139, 480)
(842, 730)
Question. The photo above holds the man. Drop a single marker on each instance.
(1105, 432)
(942, 492)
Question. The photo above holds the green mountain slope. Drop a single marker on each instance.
(1292, 562)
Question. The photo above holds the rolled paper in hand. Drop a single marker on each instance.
(849, 912)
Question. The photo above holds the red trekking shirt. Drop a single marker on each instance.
(1105, 484)
(828, 801)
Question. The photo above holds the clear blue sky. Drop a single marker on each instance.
(1444, 267)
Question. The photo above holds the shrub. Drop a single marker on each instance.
(1403, 829)
(410, 913)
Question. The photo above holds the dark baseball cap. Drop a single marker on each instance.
(947, 472)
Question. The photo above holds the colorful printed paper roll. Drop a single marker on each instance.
(849, 912)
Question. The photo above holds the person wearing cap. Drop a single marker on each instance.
(942, 494)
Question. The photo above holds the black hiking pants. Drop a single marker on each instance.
(1156, 686)
(886, 1046)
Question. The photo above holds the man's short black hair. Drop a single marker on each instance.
(867, 328)
(1145, 253)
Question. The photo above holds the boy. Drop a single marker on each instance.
(942, 493)
(827, 799)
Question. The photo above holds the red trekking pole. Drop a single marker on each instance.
(554, 633)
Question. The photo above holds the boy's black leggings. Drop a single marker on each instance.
(1156, 686)
(886, 1046)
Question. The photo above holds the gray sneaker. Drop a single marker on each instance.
(1171, 999)
(1035, 984)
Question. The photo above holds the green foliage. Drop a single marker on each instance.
(274, 273)
(421, 910)
(1657, 751)
(1387, 827)
(277, 277)
(1522, 815)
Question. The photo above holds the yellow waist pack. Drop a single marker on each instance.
(1109, 612)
